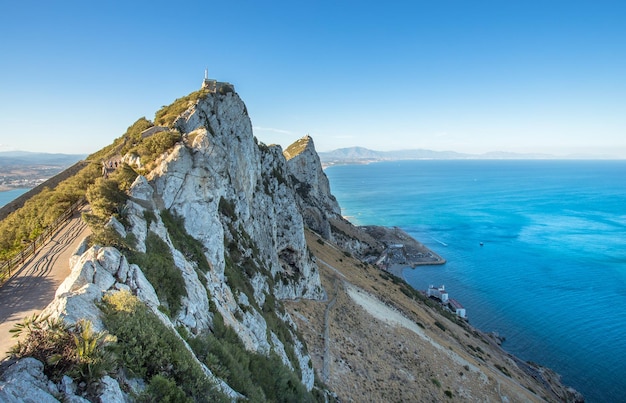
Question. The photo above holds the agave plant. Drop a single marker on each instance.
(93, 353)
(73, 350)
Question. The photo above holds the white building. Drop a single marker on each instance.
(438, 292)
(456, 307)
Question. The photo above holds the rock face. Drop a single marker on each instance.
(316, 202)
(239, 199)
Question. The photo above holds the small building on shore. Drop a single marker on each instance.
(456, 307)
(438, 292)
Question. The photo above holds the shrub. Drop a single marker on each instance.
(105, 198)
(73, 350)
(504, 370)
(148, 349)
(133, 134)
(168, 114)
(260, 378)
(152, 147)
(227, 208)
(190, 247)
(162, 389)
(158, 266)
(105, 236)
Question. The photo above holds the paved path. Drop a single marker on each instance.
(33, 288)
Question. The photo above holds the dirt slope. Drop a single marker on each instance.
(382, 345)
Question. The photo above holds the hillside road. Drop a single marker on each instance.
(33, 287)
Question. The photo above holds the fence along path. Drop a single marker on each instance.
(8, 268)
(33, 284)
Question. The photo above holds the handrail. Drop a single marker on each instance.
(20, 258)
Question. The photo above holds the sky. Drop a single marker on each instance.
(467, 76)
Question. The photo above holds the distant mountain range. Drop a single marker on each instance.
(361, 155)
(19, 158)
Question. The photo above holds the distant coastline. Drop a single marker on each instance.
(364, 156)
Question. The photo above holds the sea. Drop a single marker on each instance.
(535, 250)
(10, 195)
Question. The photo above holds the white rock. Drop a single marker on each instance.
(110, 391)
(116, 226)
(141, 189)
(78, 304)
(103, 279)
(81, 273)
(25, 381)
(121, 287)
(141, 286)
(109, 259)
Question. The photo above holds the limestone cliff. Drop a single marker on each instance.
(236, 222)
(316, 202)
(234, 196)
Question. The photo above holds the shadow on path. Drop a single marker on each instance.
(33, 286)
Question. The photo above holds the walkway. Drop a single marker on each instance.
(33, 287)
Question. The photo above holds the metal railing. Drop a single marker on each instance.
(7, 267)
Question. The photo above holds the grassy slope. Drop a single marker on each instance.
(374, 361)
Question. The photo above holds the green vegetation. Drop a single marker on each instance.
(259, 378)
(168, 114)
(158, 266)
(150, 350)
(38, 213)
(73, 350)
(227, 208)
(132, 137)
(440, 325)
(504, 370)
(296, 148)
(190, 247)
(239, 269)
(152, 147)
(107, 197)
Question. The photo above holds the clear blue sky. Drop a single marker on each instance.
(468, 76)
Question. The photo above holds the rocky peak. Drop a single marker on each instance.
(234, 197)
(311, 185)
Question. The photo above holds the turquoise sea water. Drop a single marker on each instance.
(551, 273)
(10, 195)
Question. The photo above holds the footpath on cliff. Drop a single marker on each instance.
(33, 286)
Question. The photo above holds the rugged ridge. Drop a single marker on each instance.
(234, 196)
(271, 235)
(315, 200)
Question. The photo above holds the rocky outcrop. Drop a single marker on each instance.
(311, 186)
(25, 381)
(234, 196)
